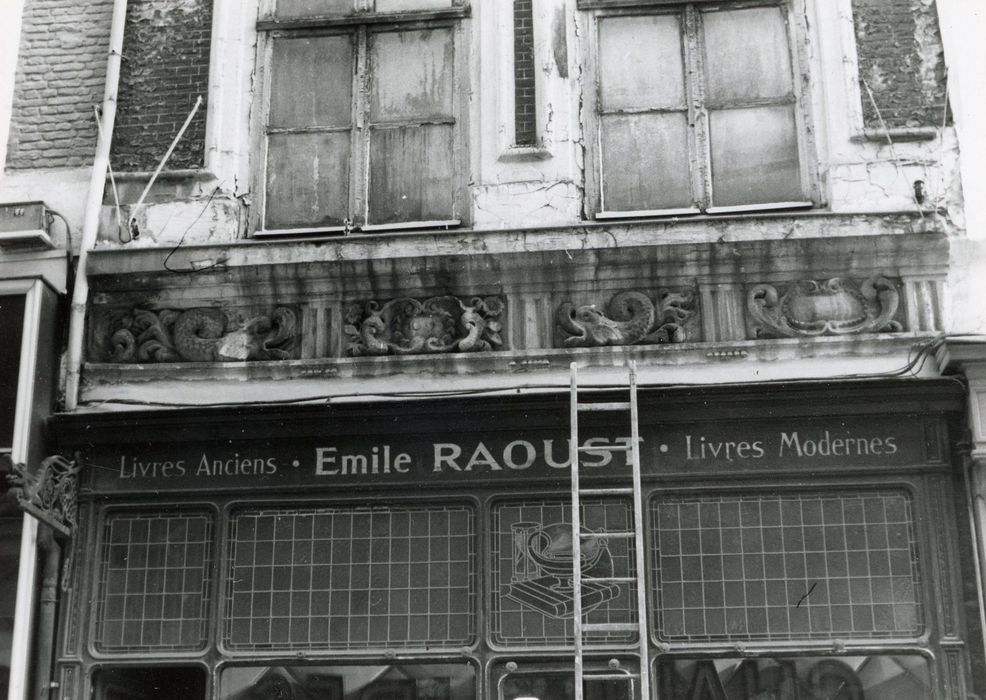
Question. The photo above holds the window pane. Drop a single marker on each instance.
(640, 62)
(876, 677)
(411, 174)
(351, 578)
(312, 8)
(154, 582)
(411, 74)
(311, 82)
(406, 5)
(531, 599)
(787, 567)
(754, 156)
(149, 683)
(746, 55)
(645, 162)
(307, 179)
(396, 681)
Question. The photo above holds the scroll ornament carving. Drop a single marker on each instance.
(630, 317)
(201, 335)
(835, 307)
(406, 326)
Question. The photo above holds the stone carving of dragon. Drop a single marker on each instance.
(202, 335)
(631, 317)
(407, 326)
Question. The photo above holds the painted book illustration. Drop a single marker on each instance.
(542, 569)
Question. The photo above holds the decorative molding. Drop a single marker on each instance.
(204, 334)
(835, 307)
(630, 318)
(49, 492)
(406, 326)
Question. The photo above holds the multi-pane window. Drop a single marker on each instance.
(361, 128)
(696, 109)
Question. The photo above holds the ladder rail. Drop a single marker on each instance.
(573, 446)
(638, 526)
(633, 451)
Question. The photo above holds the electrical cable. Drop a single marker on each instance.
(917, 357)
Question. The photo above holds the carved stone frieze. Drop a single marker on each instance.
(406, 326)
(838, 306)
(631, 317)
(204, 334)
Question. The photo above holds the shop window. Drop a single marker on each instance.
(531, 549)
(351, 578)
(786, 567)
(695, 109)
(362, 123)
(155, 575)
(559, 685)
(397, 681)
(155, 683)
(12, 327)
(875, 677)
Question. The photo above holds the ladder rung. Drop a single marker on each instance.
(611, 491)
(610, 627)
(605, 406)
(608, 448)
(590, 676)
(611, 579)
(622, 533)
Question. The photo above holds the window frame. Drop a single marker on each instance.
(697, 110)
(361, 26)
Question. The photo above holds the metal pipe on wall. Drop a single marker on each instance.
(94, 202)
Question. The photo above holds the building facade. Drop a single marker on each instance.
(334, 261)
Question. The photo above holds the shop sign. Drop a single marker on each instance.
(511, 455)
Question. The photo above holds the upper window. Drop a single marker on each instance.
(361, 124)
(695, 110)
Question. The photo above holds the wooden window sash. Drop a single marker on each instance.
(698, 105)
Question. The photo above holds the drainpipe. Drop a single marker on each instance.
(94, 202)
(44, 650)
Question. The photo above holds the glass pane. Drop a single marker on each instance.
(307, 180)
(141, 683)
(11, 328)
(411, 174)
(800, 566)
(532, 597)
(754, 156)
(10, 543)
(411, 74)
(312, 8)
(746, 55)
(311, 82)
(398, 681)
(559, 685)
(809, 678)
(640, 62)
(154, 582)
(645, 162)
(351, 578)
(409, 5)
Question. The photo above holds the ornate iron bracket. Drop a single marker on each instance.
(49, 492)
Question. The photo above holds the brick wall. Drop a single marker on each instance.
(165, 67)
(61, 72)
(525, 110)
(901, 61)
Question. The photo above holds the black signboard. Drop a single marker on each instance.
(512, 456)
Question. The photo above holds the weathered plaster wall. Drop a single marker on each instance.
(165, 68)
(60, 77)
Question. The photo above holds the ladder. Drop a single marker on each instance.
(636, 534)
